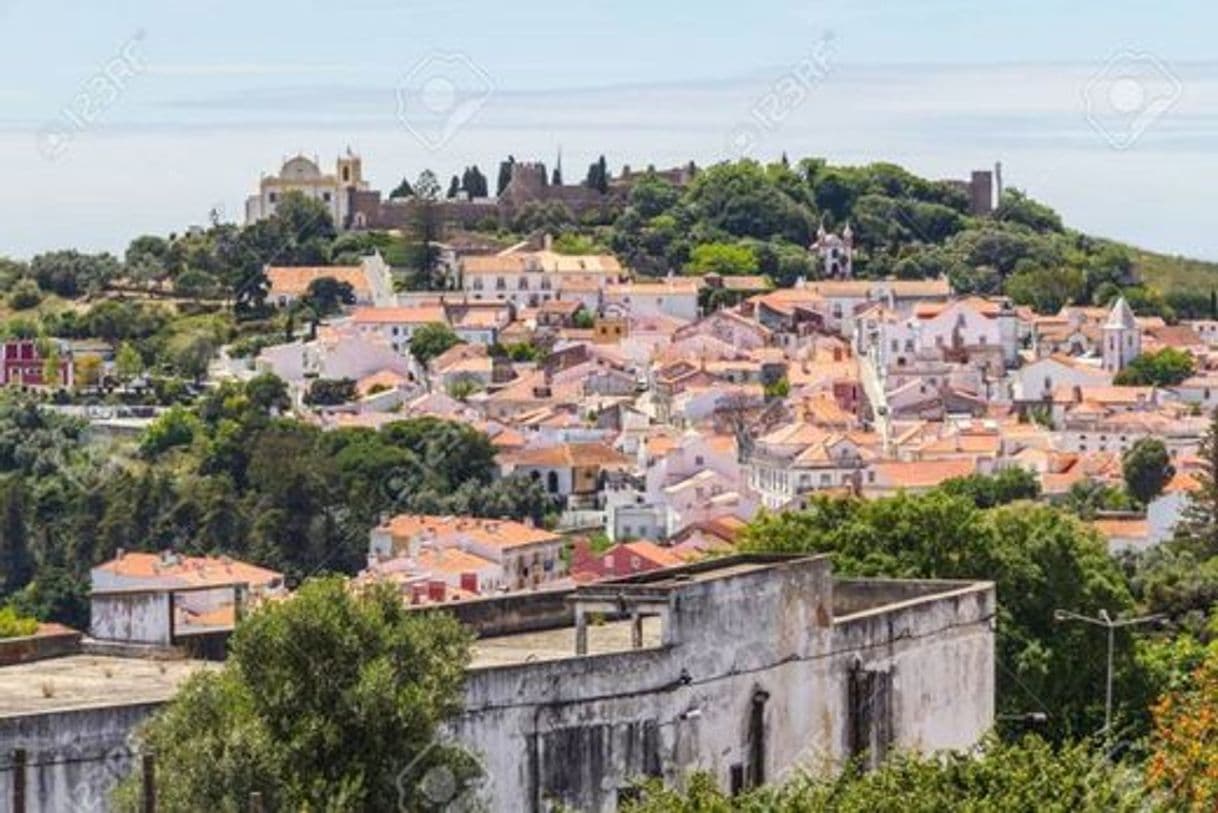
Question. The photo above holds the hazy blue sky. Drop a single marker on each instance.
(203, 96)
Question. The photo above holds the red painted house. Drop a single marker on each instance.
(22, 365)
(624, 559)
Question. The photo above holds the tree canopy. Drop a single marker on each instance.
(328, 701)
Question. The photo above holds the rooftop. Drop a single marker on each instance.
(82, 681)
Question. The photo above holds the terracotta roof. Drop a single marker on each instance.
(567, 455)
(418, 314)
(294, 280)
(193, 571)
(1122, 527)
(920, 474)
(498, 533)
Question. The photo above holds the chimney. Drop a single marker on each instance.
(436, 588)
(469, 582)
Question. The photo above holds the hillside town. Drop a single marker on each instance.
(707, 521)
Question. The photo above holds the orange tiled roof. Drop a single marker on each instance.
(294, 280)
(499, 533)
(195, 571)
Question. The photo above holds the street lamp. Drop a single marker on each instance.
(1106, 621)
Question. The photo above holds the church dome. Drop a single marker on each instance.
(299, 168)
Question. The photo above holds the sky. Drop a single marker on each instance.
(123, 118)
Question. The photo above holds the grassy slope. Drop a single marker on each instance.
(1174, 273)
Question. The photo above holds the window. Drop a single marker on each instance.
(698, 460)
(869, 714)
(325, 196)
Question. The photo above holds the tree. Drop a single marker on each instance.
(268, 392)
(726, 259)
(1162, 368)
(52, 363)
(191, 353)
(127, 362)
(1024, 776)
(431, 340)
(505, 175)
(987, 491)
(1041, 558)
(323, 700)
(88, 371)
(426, 232)
(1147, 468)
(326, 295)
(1016, 207)
(1200, 520)
(330, 392)
(474, 182)
(402, 190)
(598, 176)
(454, 188)
(1185, 741)
(177, 426)
(16, 558)
(195, 284)
(25, 295)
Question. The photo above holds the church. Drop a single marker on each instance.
(338, 191)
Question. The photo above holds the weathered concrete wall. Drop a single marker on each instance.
(74, 758)
(139, 617)
(758, 646)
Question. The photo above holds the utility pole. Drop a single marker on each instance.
(1106, 621)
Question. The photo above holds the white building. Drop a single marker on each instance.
(300, 174)
(1122, 337)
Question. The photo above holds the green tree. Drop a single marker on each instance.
(1147, 469)
(330, 392)
(722, 258)
(326, 295)
(1028, 776)
(987, 491)
(321, 703)
(402, 190)
(24, 295)
(1200, 520)
(431, 340)
(191, 352)
(1041, 559)
(1162, 368)
(127, 362)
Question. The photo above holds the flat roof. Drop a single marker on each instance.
(557, 644)
(87, 681)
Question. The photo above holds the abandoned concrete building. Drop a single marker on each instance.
(748, 667)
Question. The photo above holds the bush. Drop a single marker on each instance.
(15, 626)
(25, 295)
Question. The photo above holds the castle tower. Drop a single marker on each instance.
(1122, 337)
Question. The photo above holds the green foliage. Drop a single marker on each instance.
(987, 491)
(1041, 559)
(1147, 469)
(324, 701)
(1162, 368)
(13, 625)
(1028, 776)
(24, 295)
(175, 427)
(778, 389)
(431, 340)
(330, 392)
(727, 259)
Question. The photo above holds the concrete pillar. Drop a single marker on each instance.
(581, 632)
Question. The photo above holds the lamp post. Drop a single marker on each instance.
(1106, 621)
